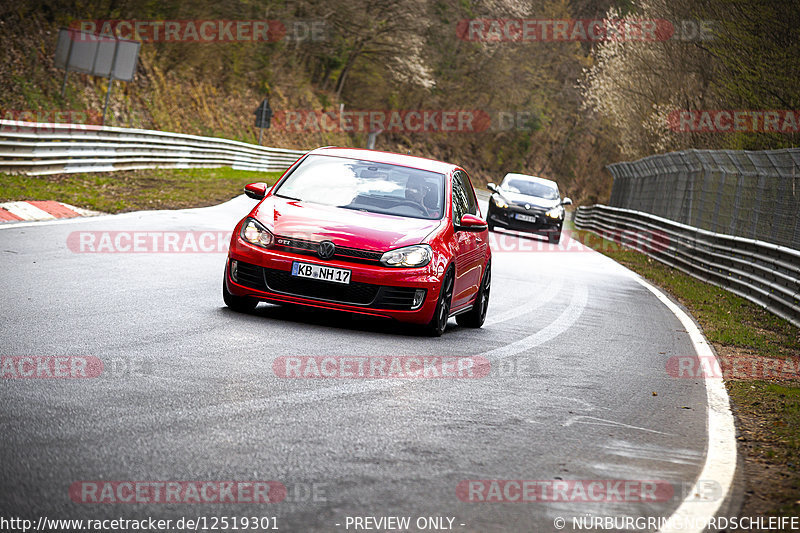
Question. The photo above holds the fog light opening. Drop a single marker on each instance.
(419, 297)
(235, 270)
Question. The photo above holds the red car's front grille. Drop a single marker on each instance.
(305, 247)
(354, 293)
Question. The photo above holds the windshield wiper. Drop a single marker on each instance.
(287, 197)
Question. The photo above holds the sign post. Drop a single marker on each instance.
(372, 137)
(263, 117)
(110, 80)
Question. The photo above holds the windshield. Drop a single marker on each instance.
(366, 186)
(531, 188)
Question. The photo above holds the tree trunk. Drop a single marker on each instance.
(351, 59)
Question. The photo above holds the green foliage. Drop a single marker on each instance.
(406, 54)
(743, 56)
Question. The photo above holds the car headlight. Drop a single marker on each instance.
(556, 212)
(254, 233)
(499, 202)
(411, 256)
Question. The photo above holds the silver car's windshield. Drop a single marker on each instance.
(366, 186)
(530, 188)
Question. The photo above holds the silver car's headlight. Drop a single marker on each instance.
(556, 212)
(254, 233)
(417, 255)
(499, 202)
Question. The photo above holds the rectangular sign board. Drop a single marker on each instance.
(79, 51)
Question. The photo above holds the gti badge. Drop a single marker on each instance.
(326, 249)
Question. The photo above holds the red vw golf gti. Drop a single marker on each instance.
(367, 232)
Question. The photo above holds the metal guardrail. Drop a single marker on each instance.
(35, 148)
(764, 273)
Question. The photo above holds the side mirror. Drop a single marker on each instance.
(256, 191)
(471, 223)
(492, 187)
(566, 201)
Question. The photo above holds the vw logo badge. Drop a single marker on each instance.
(527, 206)
(326, 249)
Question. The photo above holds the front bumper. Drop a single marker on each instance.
(506, 218)
(373, 290)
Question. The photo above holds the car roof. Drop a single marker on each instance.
(531, 178)
(390, 158)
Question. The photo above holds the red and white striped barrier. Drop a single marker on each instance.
(40, 210)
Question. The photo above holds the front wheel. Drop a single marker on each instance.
(554, 238)
(475, 317)
(438, 322)
(242, 304)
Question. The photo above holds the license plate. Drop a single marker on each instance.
(526, 218)
(323, 273)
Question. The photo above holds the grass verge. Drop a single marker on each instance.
(767, 413)
(132, 190)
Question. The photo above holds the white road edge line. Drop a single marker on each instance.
(720, 465)
(553, 290)
(568, 316)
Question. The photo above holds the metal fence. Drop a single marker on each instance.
(37, 148)
(748, 194)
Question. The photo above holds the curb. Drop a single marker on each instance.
(41, 210)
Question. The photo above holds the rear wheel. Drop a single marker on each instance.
(475, 317)
(438, 322)
(242, 304)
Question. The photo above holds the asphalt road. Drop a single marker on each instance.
(577, 391)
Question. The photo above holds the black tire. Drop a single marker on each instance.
(554, 238)
(241, 304)
(491, 226)
(475, 317)
(441, 315)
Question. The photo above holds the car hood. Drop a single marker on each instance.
(516, 198)
(345, 227)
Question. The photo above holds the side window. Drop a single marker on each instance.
(460, 204)
(472, 206)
